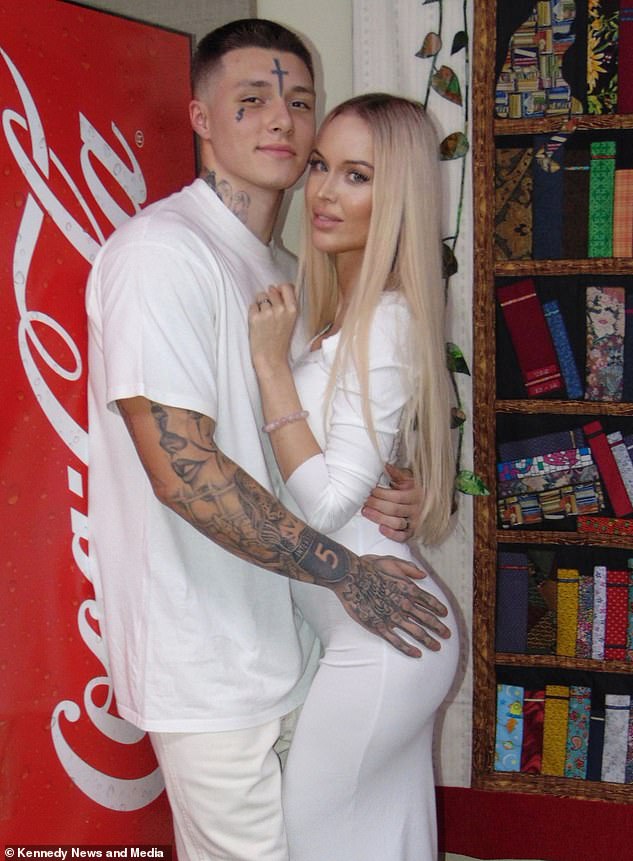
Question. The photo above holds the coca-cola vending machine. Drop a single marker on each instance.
(94, 127)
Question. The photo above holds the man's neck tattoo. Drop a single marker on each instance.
(237, 201)
(280, 74)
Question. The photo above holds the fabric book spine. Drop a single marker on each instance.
(616, 615)
(585, 616)
(555, 729)
(542, 444)
(563, 349)
(605, 318)
(627, 381)
(601, 187)
(607, 466)
(512, 603)
(533, 717)
(623, 461)
(576, 203)
(567, 581)
(513, 203)
(617, 708)
(625, 58)
(578, 732)
(599, 612)
(547, 197)
(623, 212)
(509, 731)
(629, 632)
(628, 772)
(596, 736)
(530, 336)
(589, 525)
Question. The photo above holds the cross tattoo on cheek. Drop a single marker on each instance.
(240, 115)
(280, 74)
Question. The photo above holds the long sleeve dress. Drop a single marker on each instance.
(358, 783)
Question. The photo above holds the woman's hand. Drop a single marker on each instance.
(271, 322)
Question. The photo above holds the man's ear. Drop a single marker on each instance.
(199, 118)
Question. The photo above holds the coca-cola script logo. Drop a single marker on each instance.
(36, 166)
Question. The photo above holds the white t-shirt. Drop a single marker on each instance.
(198, 640)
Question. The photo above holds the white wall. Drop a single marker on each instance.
(326, 27)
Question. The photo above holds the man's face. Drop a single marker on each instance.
(260, 119)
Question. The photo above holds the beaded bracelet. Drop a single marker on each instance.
(285, 420)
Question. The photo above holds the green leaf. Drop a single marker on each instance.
(468, 482)
(455, 360)
(460, 41)
(458, 417)
(454, 146)
(446, 83)
(449, 261)
(431, 46)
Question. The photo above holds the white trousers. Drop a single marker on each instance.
(224, 789)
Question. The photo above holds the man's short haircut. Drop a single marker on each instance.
(244, 33)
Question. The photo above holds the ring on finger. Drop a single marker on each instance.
(265, 301)
(407, 524)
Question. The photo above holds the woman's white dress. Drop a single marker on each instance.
(358, 782)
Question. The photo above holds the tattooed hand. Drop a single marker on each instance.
(380, 593)
(197, 481)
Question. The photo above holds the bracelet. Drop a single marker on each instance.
(285, 420)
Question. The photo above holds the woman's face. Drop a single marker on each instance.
(339, 186)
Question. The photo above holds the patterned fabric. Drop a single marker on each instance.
(617, 615)
(532, 508)
(541, 637)
(548, 481)
(533, 717)
(605, 525)
(513, 203)
(605, 343)
(628, 771)
(627, 386)
(629, 633)
(545, 463)
(623, 211)
(563, 349)
(555, 729)
(512, 603)
(543, 444)
(509, 737)
(567, 611)
(599, 612)
(601, 186)
(602, 56)
(531, 338)
(616, 736)
(578, 732)
(585, 617)
(623, 460)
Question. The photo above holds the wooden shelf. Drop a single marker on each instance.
(510, 659)
(569, 539)
(593, 266)
(580, 122)
(553, 407)
(549, 785)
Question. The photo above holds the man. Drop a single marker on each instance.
(204, 650)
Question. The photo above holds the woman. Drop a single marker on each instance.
(372, 387)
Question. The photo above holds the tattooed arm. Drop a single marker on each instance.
(191, 476)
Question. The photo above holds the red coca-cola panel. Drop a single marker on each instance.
(94, 127)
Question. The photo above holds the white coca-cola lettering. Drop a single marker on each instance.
(106, 790)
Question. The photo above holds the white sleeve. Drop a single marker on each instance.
(157, 310)
(331, 487)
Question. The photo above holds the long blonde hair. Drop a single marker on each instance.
(403, 253)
